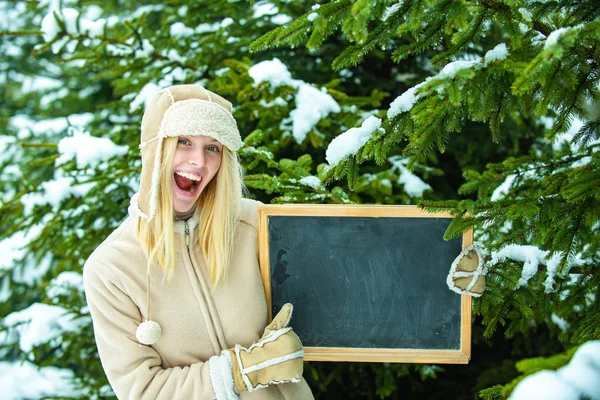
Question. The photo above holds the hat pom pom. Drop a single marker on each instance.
(148, 332)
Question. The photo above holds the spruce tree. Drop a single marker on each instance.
(515, 66)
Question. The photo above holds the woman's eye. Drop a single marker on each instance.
(183, 141)
(213, 149)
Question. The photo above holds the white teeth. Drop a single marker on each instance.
(189, 176)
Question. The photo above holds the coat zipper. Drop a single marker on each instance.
(187, 235)
(210, 317)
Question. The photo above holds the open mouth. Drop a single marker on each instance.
(187, 183)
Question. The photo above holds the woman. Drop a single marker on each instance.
(174, 292)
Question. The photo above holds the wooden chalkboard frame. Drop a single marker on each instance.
(460, 356)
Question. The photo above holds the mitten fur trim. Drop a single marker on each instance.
(221, 376)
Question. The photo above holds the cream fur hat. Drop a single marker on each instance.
(178, 111)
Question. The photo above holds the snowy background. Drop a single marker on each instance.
(41, 323)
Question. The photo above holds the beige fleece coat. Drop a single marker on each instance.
(197, 321)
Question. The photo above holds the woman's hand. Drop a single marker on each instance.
(276, 358)
(467, 272)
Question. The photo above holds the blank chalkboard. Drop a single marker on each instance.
(368, 283)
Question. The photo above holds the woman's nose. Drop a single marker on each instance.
(197, 158)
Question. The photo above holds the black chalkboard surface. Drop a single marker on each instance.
(368, 283)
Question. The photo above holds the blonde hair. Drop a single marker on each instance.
(216, 207)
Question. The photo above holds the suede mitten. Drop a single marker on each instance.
(276, 358)
(467, 273)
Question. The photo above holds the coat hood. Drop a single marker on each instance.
(176, 111)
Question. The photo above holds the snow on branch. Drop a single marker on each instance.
(312, 104)
(42, 323)
(349, 142)
(578, 378)
(408, 99)
(532, 257)
(413, 185)
(26, 380)
(88, 150)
